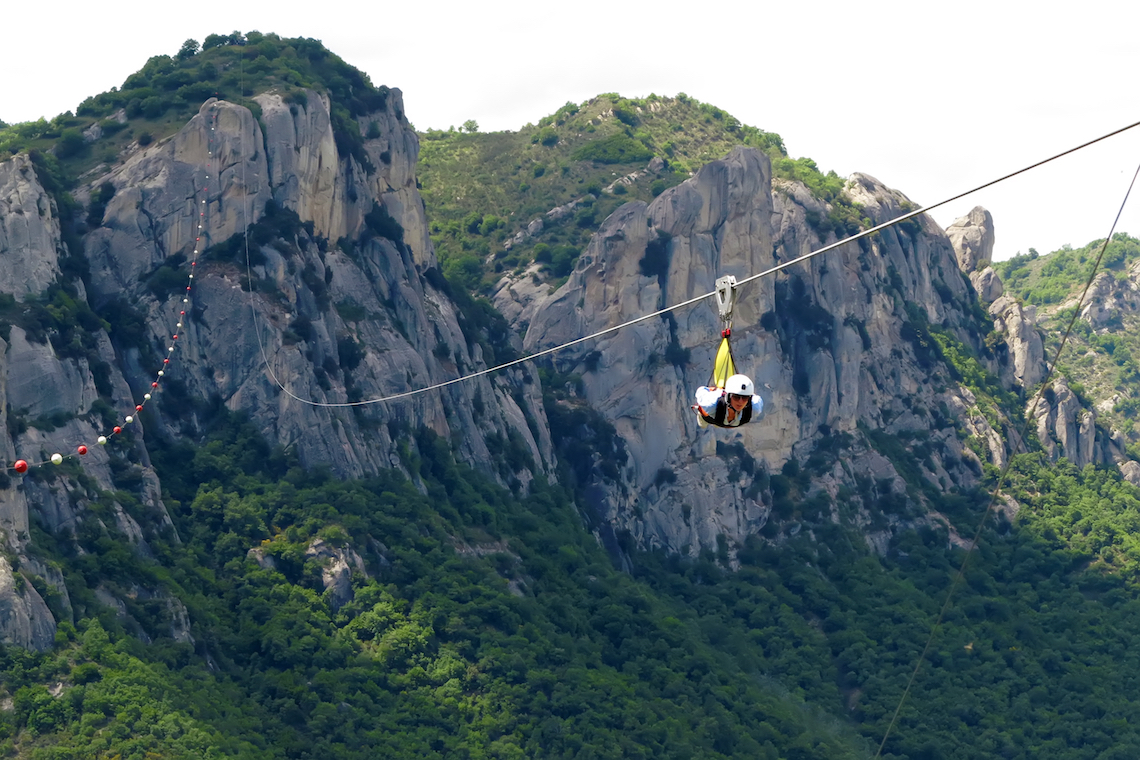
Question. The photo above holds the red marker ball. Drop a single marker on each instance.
(116, 430)
(166, 361)
(138, 408)
(154, 385)
(175, 337)
(21, 466)
(82, 450)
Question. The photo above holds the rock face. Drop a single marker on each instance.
(29, 230)
(1064, 427)
(830, 344)
(339, 300)
(24, 618)
(1026, 349)
(314, 300)
(988, 285)
(973, 239)
(1110, 299)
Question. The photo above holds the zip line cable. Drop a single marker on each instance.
(659, 312)
(1005, 470)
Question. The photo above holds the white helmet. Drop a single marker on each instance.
(741, 385)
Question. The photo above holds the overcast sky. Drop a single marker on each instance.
(931, 98)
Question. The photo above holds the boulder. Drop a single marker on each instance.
(973, 239)
(337, 567)
(987, 284)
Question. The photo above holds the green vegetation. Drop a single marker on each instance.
(1049, 280)
(482, 189)
(160, 98)
(536, 648)
(1103, 361)
(615, 149)
(997, 682)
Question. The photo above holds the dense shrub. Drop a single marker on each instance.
(70, 143)
(616, 149)
(99, 199)
(381, 223)
(655, 262)
(547, 136)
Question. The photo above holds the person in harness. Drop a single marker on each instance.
(730, 406)
(729, 400)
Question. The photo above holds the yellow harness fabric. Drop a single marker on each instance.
(725, 367)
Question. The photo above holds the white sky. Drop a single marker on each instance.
(931, 98)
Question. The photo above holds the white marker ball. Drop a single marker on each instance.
(57, 458)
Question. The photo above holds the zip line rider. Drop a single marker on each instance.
(729, 400)
(731, 406)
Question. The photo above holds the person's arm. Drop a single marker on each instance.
(707, 399)
(757, 405)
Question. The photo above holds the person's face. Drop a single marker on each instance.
(737, 401)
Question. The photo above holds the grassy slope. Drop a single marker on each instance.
(481, 189)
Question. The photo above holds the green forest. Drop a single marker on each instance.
(536, 646)
(481, 622)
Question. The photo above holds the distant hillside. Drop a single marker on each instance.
(1102, 360)
(482, 189)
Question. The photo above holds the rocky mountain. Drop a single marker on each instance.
(553, 560)
(341, 302)
(318, 288)
(842, 349)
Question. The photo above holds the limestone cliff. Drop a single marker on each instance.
(29, 230)
(835, 346)
(345, 285)
(1018, 324)
(338, 301)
